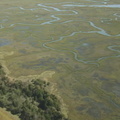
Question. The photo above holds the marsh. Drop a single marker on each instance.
(78, 39)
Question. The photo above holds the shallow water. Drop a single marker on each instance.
(79, 40)
(97, 6)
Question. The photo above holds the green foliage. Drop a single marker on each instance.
(29, 101)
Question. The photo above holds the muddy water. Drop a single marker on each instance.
(78, 40)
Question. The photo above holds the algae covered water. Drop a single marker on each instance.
(77, 40)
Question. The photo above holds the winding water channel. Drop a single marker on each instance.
(87, 37)
(56, 18)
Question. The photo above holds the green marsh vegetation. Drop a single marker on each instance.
(80, 44)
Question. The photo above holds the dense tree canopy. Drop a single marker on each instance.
(29, 100)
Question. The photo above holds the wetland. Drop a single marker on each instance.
(77, 40)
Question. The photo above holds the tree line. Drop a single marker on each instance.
(29, 100)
